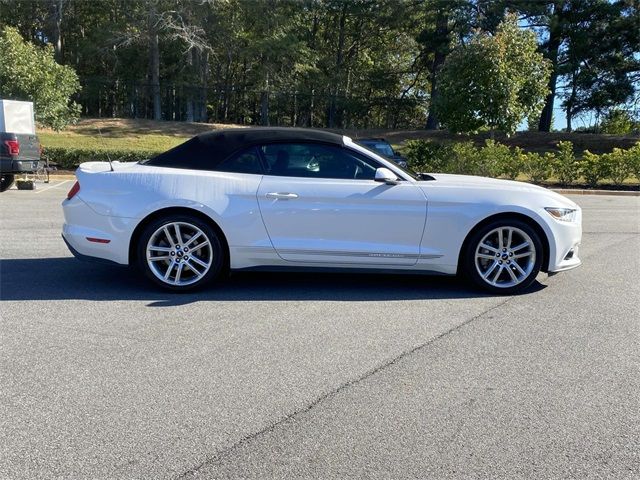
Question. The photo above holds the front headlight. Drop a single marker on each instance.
(562, 214)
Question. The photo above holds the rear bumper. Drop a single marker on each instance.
(98, 237)
(8, 165)
(87, 258)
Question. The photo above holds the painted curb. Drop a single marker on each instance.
(62, 177)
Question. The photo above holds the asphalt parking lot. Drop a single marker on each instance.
(316, 376)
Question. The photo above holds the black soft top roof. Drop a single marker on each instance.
(207, 150)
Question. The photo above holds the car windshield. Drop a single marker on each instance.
(412, 173)
(407, 170)
(381, 147)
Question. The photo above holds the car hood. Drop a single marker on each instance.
(484, 186)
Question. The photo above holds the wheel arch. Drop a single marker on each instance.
(510, 215)
(137, 232)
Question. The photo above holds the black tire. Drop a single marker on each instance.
(200, 242)
(510, 270)
(6, 180)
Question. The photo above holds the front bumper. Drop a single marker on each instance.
(564, 244)
(571, 261)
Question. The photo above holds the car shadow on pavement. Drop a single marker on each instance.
(69, 279)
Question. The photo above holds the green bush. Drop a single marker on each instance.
(424, 156)
(634, 160)
(514, 166)
(538, 167)
(495, 159)
(465, 159)
(70, 158)
(591, 168)
(617, 165)
(498, 159)
(565, 167)
(492, 158)
(460, 157)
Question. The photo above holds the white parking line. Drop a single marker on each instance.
(54, 186)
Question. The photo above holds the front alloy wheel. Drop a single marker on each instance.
(504, 256)
(180, 253)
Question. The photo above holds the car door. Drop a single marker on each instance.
(321, 204)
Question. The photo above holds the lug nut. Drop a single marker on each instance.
(497, 254)
(511, 254)
(173, 254)
(500, 262)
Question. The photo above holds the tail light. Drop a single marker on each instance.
(75, 189)
(13, 146)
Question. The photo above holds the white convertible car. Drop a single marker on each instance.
(274, 198)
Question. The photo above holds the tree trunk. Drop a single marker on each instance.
(546, 117)
(569, 111)
(555, 39)
(114, 99)
(294, 114)
(571, 101)
(442, 31)
(264, 108)
(204, 69)
(57, 31)
(339, 58)
(154, 63)
(312, 108)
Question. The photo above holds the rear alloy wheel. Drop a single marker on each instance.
(503, 257)
(6, 180)
(180, 253)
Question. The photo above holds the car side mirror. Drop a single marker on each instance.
(387, 176)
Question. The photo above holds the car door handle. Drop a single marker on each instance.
(282, 195)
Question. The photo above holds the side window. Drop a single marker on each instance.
(246, 161)
(314, 160)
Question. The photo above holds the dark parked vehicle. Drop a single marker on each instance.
(19, 153)
(384, 148)
(19, 145)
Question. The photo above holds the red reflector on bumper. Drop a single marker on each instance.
(75, 189)
(98, 240)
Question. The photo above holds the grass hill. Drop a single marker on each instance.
(150, 135)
